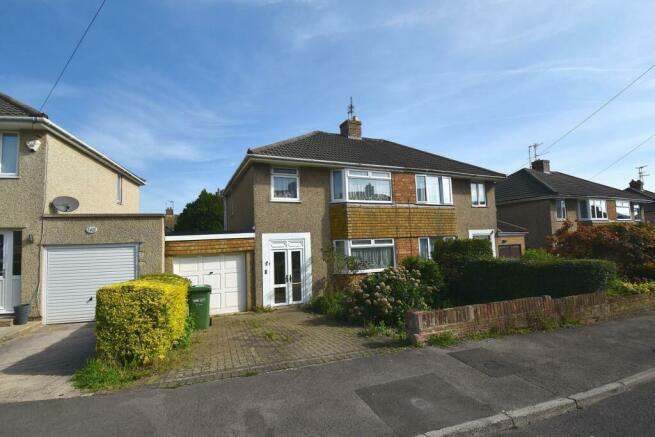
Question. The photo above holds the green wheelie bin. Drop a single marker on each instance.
(199, 305)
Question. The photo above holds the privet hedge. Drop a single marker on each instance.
(141, 320)
(483, 281)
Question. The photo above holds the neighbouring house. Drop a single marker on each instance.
(291, 203)
(69, 220)
(510, 240)
(637, 187)
(541, 200)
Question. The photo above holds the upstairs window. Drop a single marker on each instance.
(560, 205)
(284, 184)
(636, 212)
(478, 195)
(119, 189)
(361, 186)
(593, 209)
(8, 155)
(623, 210)
(434, 190)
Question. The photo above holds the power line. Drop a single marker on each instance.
(70, 58)
(623, 156)
(600, 108)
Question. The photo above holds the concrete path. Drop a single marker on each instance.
(38, 364)
(401, 394)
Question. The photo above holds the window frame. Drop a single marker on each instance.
(484, 190)
(344, 184)
(119, 188)
(286, 175)
(431, 241)
(348, 246)
(558, 203)
(589, 209)
(629, 206)
(636, 207)
(489, 232)
(441, 189)
(10, 175)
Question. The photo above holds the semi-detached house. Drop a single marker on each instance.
(291, 201)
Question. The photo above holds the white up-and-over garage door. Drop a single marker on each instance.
(225, 273)
(73, 275)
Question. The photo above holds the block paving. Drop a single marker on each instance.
(248, 344)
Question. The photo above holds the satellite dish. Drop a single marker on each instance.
(65, 204)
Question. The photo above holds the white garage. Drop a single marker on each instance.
(73, 275)
(226, 273)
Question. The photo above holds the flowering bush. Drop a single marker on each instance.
(387, 296)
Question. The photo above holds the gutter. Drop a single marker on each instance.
(58, 130)
(553, 197)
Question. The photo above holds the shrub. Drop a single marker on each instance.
(621, 288)
(467, 248)
(431, 276)
(644, 272)
(168, 278)
(332, 305)
(538, 255)
(138, 322)
(386, 297)
(485, 281)
(630, 246)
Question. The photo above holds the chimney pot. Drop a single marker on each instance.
(352, 128)
(637, 185)
(542, 165)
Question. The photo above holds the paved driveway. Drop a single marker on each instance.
(247, 344)
(38, 365)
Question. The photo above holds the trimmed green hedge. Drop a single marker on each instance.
(466, 248)
(139, 321)
(483, 281)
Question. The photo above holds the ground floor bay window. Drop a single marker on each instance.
(374, 255)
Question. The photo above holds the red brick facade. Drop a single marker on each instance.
(404, 188)
(405, 247)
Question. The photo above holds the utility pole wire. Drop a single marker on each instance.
(623, 156)
(70, 58)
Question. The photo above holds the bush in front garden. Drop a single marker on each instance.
(483, 281)
(452, 255)
(140, 321)
(386, 297)
(431, 276)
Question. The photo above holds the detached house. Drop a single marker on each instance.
(69, 219)
(541, 200)
(637, 187)
(291, 201)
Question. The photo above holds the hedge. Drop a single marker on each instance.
(483, 281)
(141, 320)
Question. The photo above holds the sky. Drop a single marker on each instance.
(178, 90)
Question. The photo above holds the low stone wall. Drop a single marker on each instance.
(523, 313)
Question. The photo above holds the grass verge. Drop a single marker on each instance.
(98, 375)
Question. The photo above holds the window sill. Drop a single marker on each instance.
(285, 200)
(478, 206)
(9, 176)
(434, 204)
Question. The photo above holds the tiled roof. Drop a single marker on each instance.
(324, 146)
(528, 184)
(13, 108)
(511, 227)
(648, 194)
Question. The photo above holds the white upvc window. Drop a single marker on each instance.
(285, 186)
(119, 189)
(484, 234)
(8, 154)
(592, 209)
(478, 195)
(560, 206)
(426, 245)
(636, 212)
(623, 211)
(356, 185)
(434, 190)
(376, 254)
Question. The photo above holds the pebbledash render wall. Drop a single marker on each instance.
(523, 313)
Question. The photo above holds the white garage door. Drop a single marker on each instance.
(74, 274)
(225, 273)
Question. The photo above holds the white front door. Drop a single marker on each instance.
(286, 268)
(9, 281)
(225, 273)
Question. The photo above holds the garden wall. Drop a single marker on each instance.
(522, 313)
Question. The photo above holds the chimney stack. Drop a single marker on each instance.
(352, 128)
(169, 219)
(637, 185)
(542, 165)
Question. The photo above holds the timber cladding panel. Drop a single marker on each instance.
(206, 247)
(387, 221)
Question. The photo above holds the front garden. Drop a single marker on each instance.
(615, 259)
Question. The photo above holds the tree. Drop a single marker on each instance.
(205, 214)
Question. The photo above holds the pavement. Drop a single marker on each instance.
(38, 363)
(411, 392)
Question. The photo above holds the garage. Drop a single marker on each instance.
(226, 273)
(73, 275)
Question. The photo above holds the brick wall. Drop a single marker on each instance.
(521, 313)
(406, 247)
(404, 188)
(207, 247)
